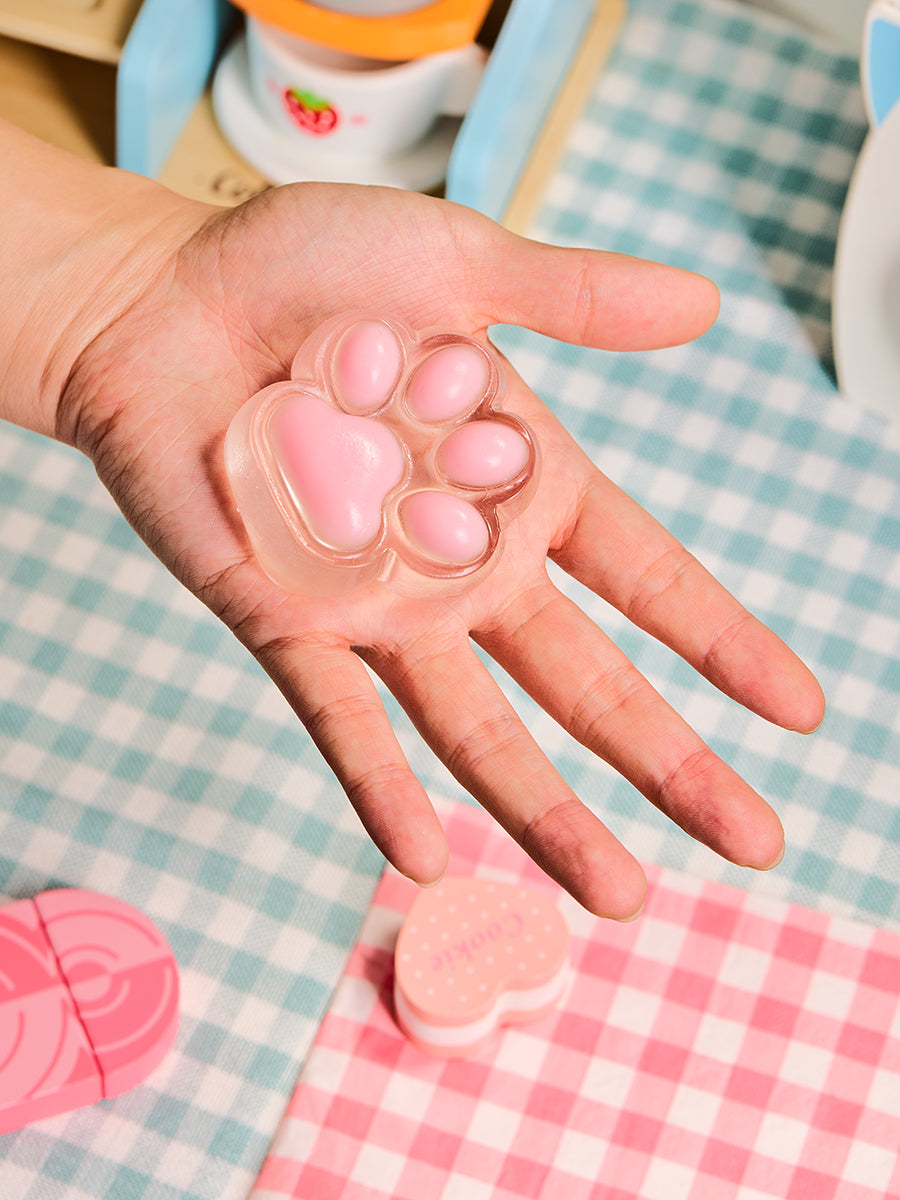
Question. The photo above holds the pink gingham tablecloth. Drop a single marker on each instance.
(723, 1047)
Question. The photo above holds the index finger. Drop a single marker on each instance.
(466, 718)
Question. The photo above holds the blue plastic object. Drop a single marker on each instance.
(174, 45)
(165, 66)
(881, 61)
(532, 54)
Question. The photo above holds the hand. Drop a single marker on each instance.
(222, 314)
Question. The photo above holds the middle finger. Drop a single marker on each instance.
(586, 683)
(466, 718)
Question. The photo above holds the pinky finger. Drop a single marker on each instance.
(333, 695)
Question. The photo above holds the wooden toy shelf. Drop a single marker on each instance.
(93, 29)
(59, 61)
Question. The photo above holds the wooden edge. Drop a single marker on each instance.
(595, 49)
(204, 166)
(89, 30)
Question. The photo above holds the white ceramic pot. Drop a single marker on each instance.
(363, 107)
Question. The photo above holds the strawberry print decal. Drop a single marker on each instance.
(310, 112)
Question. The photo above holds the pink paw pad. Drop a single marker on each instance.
(88, 1002)
(475, 955)
(385, 456)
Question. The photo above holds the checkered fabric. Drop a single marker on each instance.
(723, 1047)
(142, 753)
(722, 139)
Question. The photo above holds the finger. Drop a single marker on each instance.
(592, 297)
(332, 693)
(620, 552)
(589, 686)
(467, 720)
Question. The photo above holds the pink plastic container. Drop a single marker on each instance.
(386, 456)
(475, 955)
(88, 1002)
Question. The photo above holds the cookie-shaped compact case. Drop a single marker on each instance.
(387, 455)
(88, 1002)
(472, 956)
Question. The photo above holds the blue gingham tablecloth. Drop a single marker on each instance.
(144, 754)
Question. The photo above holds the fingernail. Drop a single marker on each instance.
(815, 728)
(633, 917)
(432, 884)
(776, 863)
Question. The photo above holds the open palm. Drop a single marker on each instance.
(222, 315)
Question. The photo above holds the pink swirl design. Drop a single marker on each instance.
(88, 1002)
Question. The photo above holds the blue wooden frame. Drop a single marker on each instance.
(174, 45)
(166, 63)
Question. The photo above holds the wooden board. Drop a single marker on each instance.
(70, 102)
(204, 166)
(95, 30)
(67, 101)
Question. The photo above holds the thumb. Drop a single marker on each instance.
(591, 297)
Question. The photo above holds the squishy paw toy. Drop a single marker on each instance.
(386, 456)
(474, 955)
(88, 1002)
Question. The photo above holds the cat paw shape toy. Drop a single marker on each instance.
(386, 456)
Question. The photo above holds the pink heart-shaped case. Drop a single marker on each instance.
(474, 955)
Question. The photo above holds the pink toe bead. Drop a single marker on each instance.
(445, 527)
(448, 384)
(367, 363)
(483, 454)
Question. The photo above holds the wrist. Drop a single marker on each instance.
(79, 244)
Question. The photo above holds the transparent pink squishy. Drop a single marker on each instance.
(386, 456)
(88, 1002)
